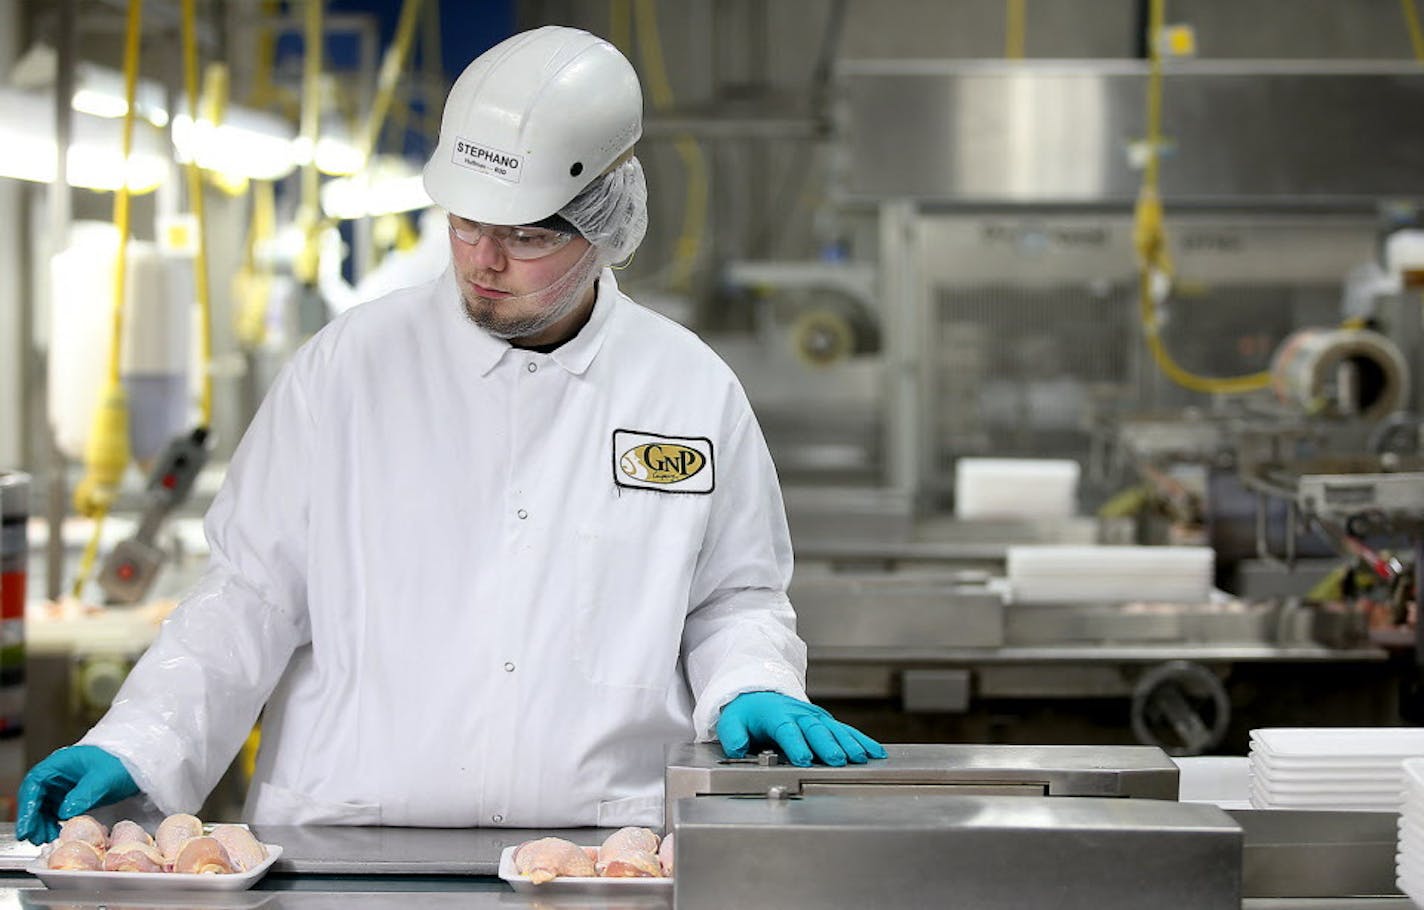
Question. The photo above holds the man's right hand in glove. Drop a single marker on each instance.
(70, 782)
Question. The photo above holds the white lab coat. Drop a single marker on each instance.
(424, 568)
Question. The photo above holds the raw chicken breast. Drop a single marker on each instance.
(633, 864)
(665, 855)
(133, 856)
(202, 855)
(76, 856)
(629, 853)
(244, 849)
(128, 832)
(85, 828)
(548, 858)
(174, 831)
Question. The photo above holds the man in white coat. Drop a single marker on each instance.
(490, 544)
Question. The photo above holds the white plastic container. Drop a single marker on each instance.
(1016, 487)
(158, 339)
(1109, 574)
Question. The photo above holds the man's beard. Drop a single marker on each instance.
(560, 298)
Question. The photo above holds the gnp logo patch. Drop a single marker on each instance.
(670, 464)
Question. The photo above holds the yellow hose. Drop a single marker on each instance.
(308, 216)
(252, 284)
(391, 67)
(694, 210)
(106, 452)
(195, 194)
(1015, 27)
(1150, 239)
(1416, 34)
(620, 25)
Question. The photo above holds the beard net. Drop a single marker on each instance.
(548, 305)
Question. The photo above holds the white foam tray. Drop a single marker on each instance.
(1368, 743)
(576, 884)
(63, 879)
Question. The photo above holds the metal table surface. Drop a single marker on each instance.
(396, 869)
(346, 851)
(26, 897)
(1095, 654)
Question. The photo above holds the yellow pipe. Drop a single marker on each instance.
(106, 452)
(694, 210)
(313, 37)
(121, 198)
(195, 196)
(1416, 34)
(620, 25)
(391, 68)
(1015, 27)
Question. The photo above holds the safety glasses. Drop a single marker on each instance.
(517, 242)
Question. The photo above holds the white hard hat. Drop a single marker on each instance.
(530, 123)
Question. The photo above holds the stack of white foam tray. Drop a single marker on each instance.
(1357, 769)
(1409, 861)
(1092, 574)
(1015, 487)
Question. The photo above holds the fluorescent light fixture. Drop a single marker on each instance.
(246, 143)
(390, 185)
(95, 159)
(98, 90)
(336, 151)
(337, 155)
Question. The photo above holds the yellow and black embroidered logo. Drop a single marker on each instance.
(672, 464)
(661, 462)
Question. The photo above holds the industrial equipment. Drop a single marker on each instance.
(1004, 301)
(980, 851)
(1144, 772)
(129, 570)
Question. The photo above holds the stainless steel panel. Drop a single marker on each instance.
(971, 851)
(841, 681)
(696, 769)
(1100, 654)
(1046, 250)
(893, 610)
(826, 514)
(1317, 854)
(337, 850)
(936, 690)
(1053, 681)
(1234, 623)
(1062, 132)
(463, 895)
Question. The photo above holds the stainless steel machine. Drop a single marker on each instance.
(994, 202)
(938, 821)
(978, 851)
(1144, 772)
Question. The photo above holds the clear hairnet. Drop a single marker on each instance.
(612, 212)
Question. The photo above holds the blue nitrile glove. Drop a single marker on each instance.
(795, 727)
(70, 782)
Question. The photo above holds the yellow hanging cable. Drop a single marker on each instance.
(262, 90)
(391, 68)
(106, 452)
(694, 211)
(620, 25)
(1015, 26)
(1150, 239)
(253, 282)
(195, 194)
(308, 212)
(1416, 34)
